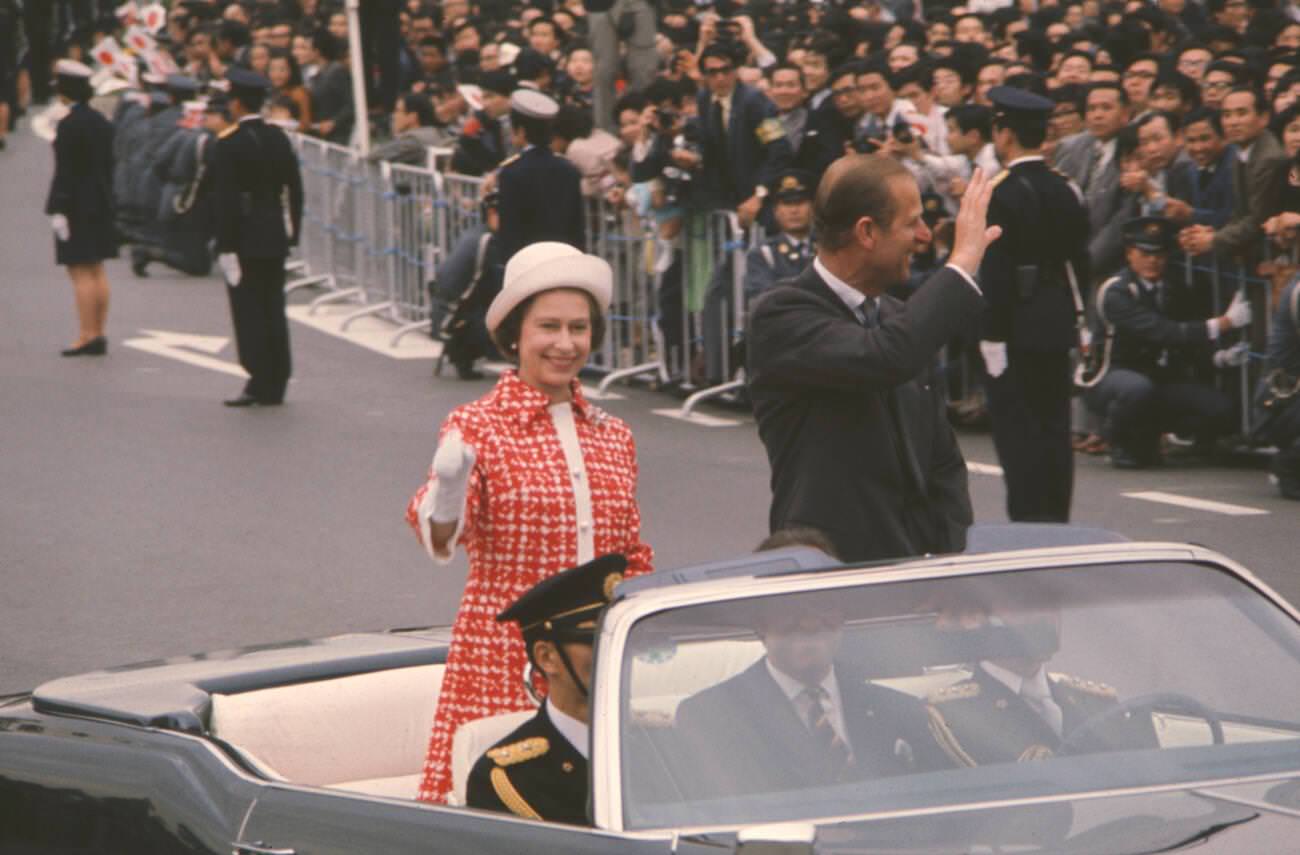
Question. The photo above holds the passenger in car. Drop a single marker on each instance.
(1012, 709)
(539, 771)
(800, 717)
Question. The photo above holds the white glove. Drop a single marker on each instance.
(1232, 357)
(452, 463)
(995, 357)
(1238, 313)
(229, 264)
(59, 223)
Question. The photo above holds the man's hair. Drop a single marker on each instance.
(771, 70)
(879, 65)
(421, 106)
(434, 41)
(1188, 91)
(1257, 102)
(1205, 114)
(1083, 54)
(635, 101)
(234, 32)
(854, 187)
(326, 45)
(920, 72)
(1147, 56)
(662, 89)
(973, 117)
(573, 123)
(1126, 141)
(1171, 120)
(545, 19)
(1286, 117)
(1228, 67)
(1100, 85)
(284, 102)
(852, 68)
(719, 50)
(1071, 93)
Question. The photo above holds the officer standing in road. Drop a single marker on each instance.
(1278, 398)
(1031, 281)
(539, 771)
(1148, 374)
(258, 214)
(541, 192)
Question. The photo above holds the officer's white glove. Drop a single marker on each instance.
(452, 463)
(1238, 314)
(229, 264)
(995, 357)
(59, 223)
(1232, 357)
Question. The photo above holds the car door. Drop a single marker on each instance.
(308, 821)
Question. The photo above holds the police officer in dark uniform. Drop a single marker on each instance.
(1031, 279)
(541, 192)
(539, 771)
(258, 214)
(1278, 398)
(785, 254)
(1148, 376)
(465, 286)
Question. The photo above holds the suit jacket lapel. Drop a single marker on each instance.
(810, 280)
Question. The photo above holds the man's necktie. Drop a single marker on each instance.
(868, 312)
(833, 748)
(1094, 167)
(1044, 705)
(720, 119)
(1203, 179)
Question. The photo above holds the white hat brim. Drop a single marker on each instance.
(581, 272)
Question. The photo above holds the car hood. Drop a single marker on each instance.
(175, 693)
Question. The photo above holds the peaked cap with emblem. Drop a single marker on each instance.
(245, 80)
(567, 605)
(1150, 234)
(1011, 101)
(793, 185)
(534, 104)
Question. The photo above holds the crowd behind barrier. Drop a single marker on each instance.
(374, 233)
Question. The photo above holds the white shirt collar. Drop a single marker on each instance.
(1243, 154)
(569, 727)
(852, 297)
(1026, 159)
(1107, 152)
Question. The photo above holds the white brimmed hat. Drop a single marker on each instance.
(72, 68)
(545, 266)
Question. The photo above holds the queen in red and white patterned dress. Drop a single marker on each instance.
(530, 479)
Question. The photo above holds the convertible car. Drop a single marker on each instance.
(1093, 696)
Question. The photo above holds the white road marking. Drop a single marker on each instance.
(181, 347)
(1197, 504)
(696, 418)
(371, 333)
(984, 468)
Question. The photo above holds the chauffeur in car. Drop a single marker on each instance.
(539, 771)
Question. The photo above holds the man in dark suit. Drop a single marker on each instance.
(798, 717)
(1032, 279)
(843, 379)
(540, 192)
(258, 186)
(539, 771)
(485, 138)
(1210, 191)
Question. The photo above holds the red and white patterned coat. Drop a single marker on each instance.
(521, 525)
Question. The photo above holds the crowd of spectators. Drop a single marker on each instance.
(1183, 109)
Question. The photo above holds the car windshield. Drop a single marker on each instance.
(962, 690)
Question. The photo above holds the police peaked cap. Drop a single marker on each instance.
(1150, 234)
(1014, 102)
(567, 605)
(246, 80)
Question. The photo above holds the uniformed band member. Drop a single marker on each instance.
(1031, 279)
(258, 214)
(1150, 373)
(539, 771)
(541, 192)
(785, 254)
(80, 204)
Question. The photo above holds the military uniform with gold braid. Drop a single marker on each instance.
(981, 721)
(536, 772)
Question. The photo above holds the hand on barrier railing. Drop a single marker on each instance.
(974, 234)
(1232, 357)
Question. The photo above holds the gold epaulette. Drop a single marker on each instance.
(956, 692)
(228, 131)
(1092, 688)
(947, 741)
(999, 178)
(769, 130)
(510, 797)
(518, 752)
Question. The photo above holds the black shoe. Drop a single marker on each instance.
(140, 262)
(465, 371)
(97, 346)
(244, 400)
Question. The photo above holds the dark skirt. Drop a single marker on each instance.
(90, 241)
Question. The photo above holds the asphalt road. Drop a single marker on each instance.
(141, 519)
